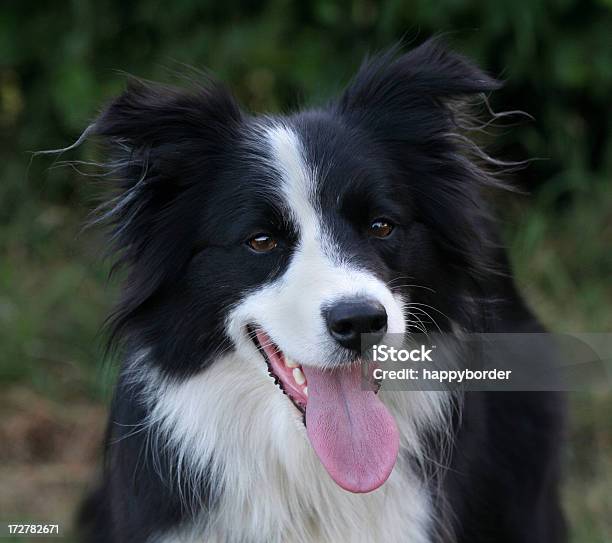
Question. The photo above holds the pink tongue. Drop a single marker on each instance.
(350, 429)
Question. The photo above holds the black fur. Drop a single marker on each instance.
(190, 192)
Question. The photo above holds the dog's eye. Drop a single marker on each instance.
(262, 243)
(381, 228)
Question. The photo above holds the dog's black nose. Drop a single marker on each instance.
(348, 319)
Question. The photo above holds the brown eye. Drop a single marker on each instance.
(381, 228)
(262, 243)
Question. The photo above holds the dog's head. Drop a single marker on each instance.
(286, 238)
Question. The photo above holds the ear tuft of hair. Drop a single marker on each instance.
(163, 143)
(152, 115)
(416, 108)
(428, 74)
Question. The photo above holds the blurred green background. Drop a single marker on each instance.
(59, 62)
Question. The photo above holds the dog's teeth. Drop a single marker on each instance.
(305, 391)
(299, 376)
(291, 363)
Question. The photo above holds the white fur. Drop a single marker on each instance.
(232, 425)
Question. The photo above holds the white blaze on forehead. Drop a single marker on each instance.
(298, 180)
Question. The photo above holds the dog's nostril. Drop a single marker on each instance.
(342, 327)
(380, 324)
(348, 319)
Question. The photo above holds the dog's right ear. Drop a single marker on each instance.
(156, 120)
(161, 140)
(153, 116)
(163, 143)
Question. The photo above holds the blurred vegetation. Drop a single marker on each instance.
(60, 61)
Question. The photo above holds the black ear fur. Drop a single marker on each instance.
(414, 107)
(163, 142)
(153, 115)
(400, 95)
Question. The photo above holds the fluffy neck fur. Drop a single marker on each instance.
(232, 426)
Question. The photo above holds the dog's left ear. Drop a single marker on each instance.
(399, 98)
(414, 107)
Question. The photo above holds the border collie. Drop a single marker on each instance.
(257, 251)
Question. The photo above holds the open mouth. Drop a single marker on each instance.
(288, 375)
(349, 428)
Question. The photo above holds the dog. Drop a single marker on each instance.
(257, 250)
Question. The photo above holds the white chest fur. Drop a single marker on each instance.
(231, 425)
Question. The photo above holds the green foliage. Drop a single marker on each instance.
(60, 61)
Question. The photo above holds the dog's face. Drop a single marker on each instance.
(326, 231)
(286, 238)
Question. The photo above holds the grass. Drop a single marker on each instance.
(53, 298)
